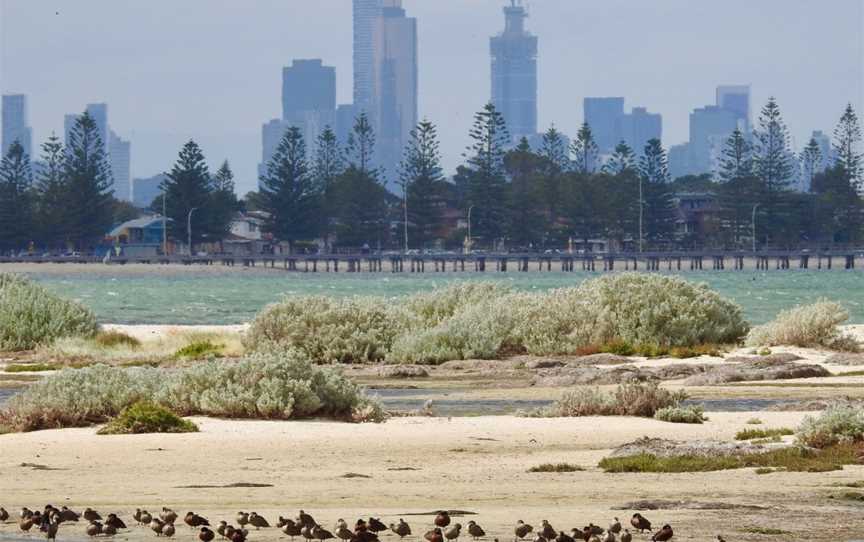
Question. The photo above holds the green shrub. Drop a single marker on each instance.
(618, 347)
(642, 400)
(31, 367)
(795, 459)
(266, 385)
(110, 339)
(754, 421)
(838, 424)
(354, 330)
(199, 350)
(686, 414)
(31, 316)
(146, 417)
(750, 434)
(814, 325)
(556, 467)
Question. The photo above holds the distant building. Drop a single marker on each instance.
(138, 238)
(247, 235)
(145, 190)
(395, 68)
(736, 99)
(679, 161)
(638, 127)
(514, 73)
(366, 13)
(345, 116)
(825, 149)
(15, 127)
(602, 115)
(309, 97)
(271, 135)
(120, 151)
(709, 126)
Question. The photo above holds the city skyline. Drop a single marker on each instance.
(224, 117)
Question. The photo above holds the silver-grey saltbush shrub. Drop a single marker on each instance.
(267, 385)
(31, 316)
(487, 320)
(814, 325)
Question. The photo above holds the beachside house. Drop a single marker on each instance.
(138, 238)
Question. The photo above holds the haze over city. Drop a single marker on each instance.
(211, 70)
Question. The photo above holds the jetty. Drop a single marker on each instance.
(494, 262)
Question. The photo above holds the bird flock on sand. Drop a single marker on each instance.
(48, 521)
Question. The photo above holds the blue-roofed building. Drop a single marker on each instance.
(138, 238)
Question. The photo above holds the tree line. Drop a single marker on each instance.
(509, 197)
(516, 197)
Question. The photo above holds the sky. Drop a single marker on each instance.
(211, 69)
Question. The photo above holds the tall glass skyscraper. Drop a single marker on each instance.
(15, 128)
(514, 73)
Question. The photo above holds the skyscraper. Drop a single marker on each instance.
(514, 73)
(736, 98)
(309, 97)
(395, 61)
(99, 113)
(15, 126)
(710, 126)
(602, 114)
(366, 13)
(120, 151)
(271, 135)
(638, 127)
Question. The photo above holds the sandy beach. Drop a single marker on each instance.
(416, 465)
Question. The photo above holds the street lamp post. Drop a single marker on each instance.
(189, 228)
(470, 241)
(753, 224)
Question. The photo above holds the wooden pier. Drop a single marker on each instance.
(498, 263)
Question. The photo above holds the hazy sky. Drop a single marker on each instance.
(211, 69)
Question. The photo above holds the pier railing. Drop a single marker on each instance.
(496, 262)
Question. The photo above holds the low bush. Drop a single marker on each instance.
(837, 424)
(813, 326)
(556, 467)
(795, 459)
(750, 434)
(111, 339)
(353, 330)
(623, 314)
(31, 367)
(754, 421)
(31, 316)
(282, 385)
(642, 400)
(146, 417)
(686, 414)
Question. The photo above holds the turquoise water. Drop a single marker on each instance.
(232, 296)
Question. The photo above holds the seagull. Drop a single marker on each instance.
(168, 515)
(563, 537)
(4, 515)
(321, 534)
(109, 530)
(156, 525)
(376, 526)
(242, 519)
(626, 537)
(168, 530)
(615, 527)
(305, 520)
(92, 515)
(194, 520)
(547, 531)
(434, 535)
(442, 519)
(291, 529)
(206, 535)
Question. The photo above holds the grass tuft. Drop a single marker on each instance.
(792, 459)
(146, 417)
(838, 424)
(814, 325)
(199, 350)
(765, 531)
(556, 467)
(754, 421)
(642, 400)
(750, 434)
